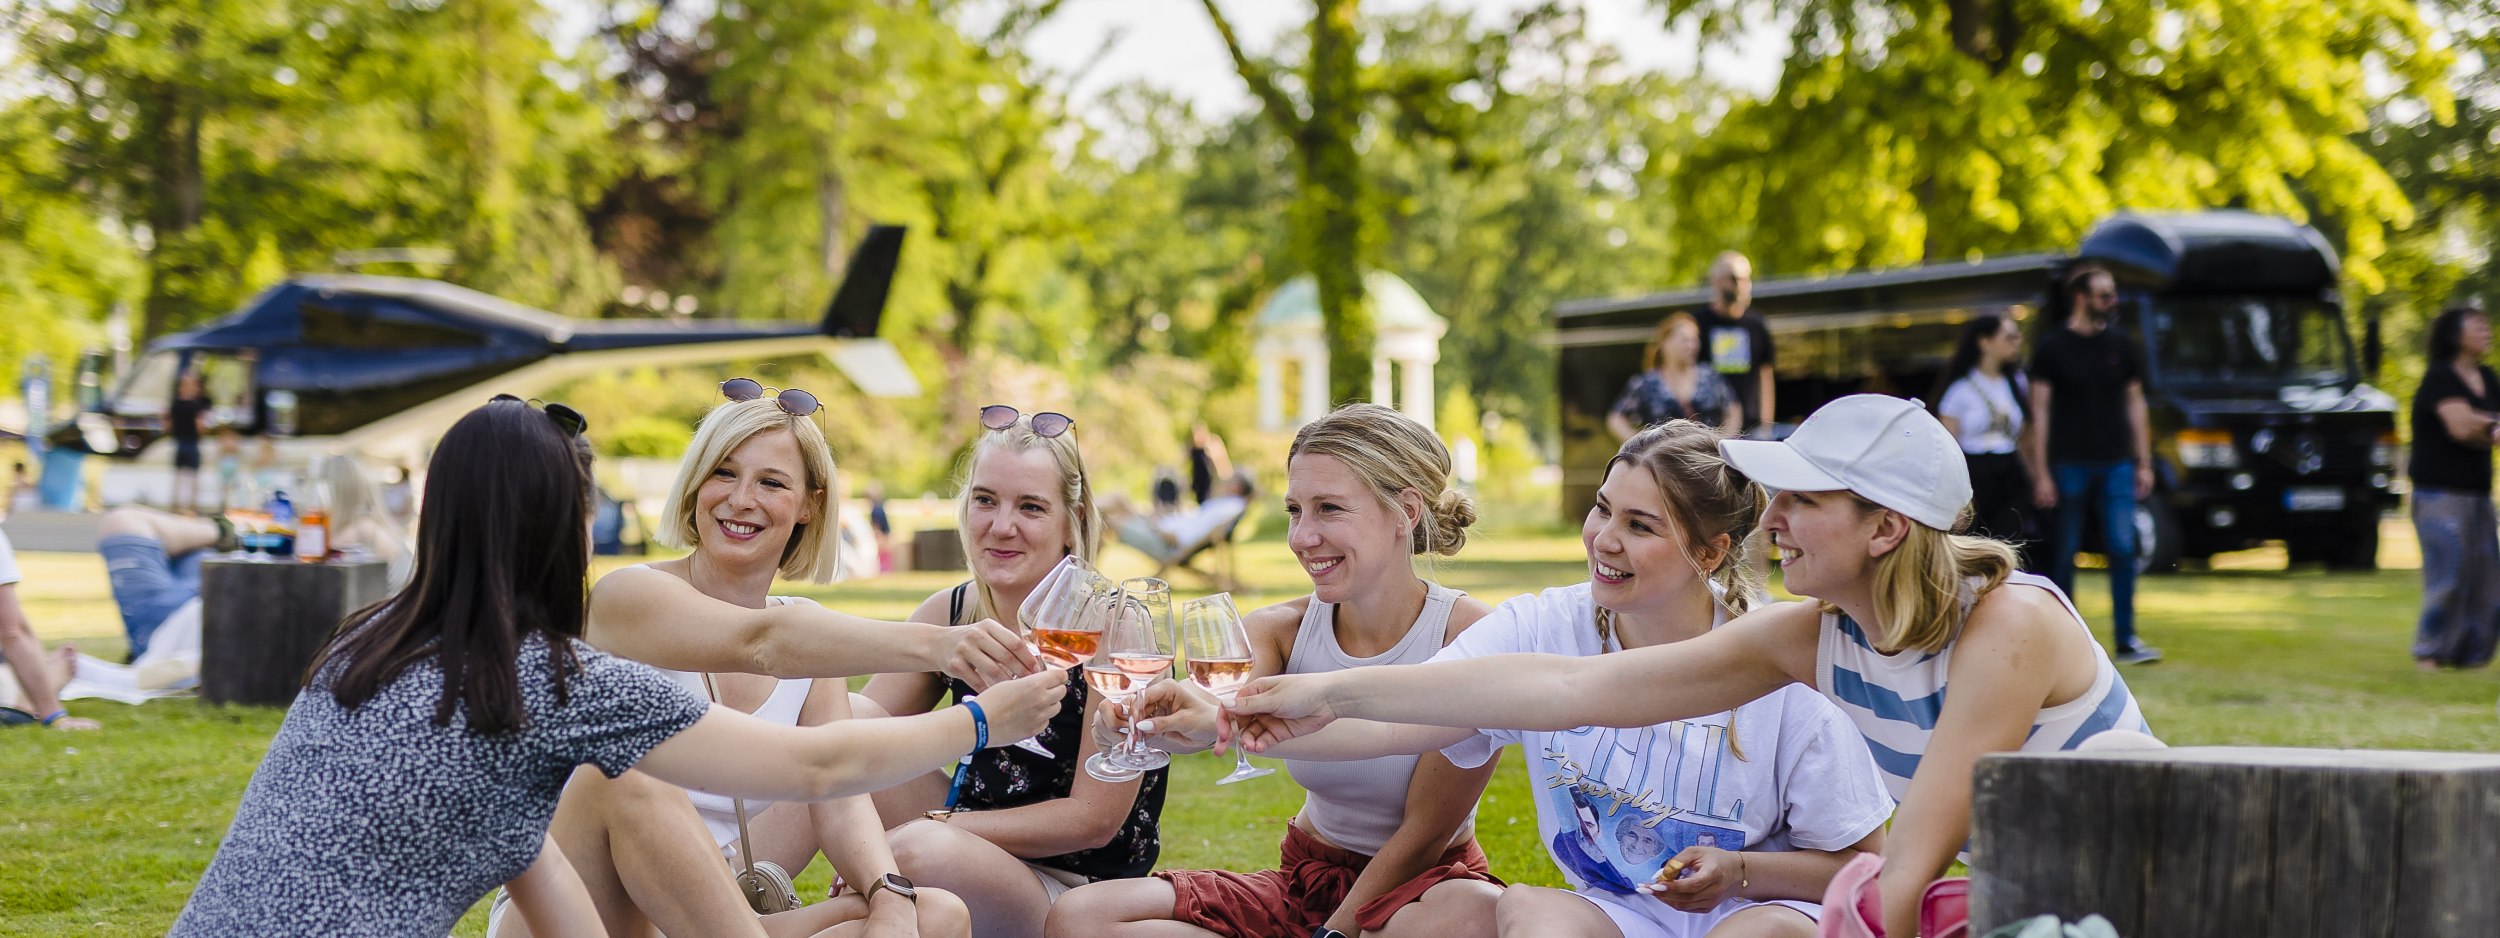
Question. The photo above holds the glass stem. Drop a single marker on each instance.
(1129, 746)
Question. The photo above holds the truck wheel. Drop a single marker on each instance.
(2157, 537)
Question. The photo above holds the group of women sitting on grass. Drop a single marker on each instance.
(623, 762)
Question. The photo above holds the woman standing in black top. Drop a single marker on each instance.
(1023, 828)
(2453, 427)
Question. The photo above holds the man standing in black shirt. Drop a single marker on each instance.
(1734, 340)
(2087, 417)
(184, 416)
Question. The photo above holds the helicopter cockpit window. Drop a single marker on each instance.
(150, 387)
(225, 377)
(376, 323)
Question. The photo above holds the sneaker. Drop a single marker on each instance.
(2138, 653)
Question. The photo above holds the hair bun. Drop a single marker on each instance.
(1452, 513)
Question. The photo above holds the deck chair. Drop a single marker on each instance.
(1220, 569)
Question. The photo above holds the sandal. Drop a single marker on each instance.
(227, 541)
(12, 716)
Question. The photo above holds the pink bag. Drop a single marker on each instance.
(1853, 905)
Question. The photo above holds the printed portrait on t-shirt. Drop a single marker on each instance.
(1634, 798)
(1731, 350)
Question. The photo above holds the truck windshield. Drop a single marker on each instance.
(2246, 341)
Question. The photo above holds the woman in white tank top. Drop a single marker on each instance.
(1868, 489)
(752, 499)
(1386, 846)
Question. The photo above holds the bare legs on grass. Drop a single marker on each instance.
(650, 866)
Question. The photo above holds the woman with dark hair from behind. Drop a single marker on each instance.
(420, 765)
(1981, 398)
(2453, 427)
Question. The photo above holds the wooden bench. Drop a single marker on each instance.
(2183, 843)
(261, 623)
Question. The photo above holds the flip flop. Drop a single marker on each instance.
(12, 716)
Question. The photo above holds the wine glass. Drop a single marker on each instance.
(1056, 605)
(250, 519)
(1135, 652)
(1218, 647)
(1053, 615)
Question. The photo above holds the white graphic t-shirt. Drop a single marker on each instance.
(1615, 804)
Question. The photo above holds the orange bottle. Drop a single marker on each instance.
(312, 536)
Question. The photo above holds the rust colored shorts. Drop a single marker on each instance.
(1302, 895)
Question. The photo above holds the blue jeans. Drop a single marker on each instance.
(2460, 576)
(2108, 488)
(147, 585)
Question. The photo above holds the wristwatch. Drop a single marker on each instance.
(1326, 932)
(892, 881)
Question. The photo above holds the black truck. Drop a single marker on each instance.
(2264, 424)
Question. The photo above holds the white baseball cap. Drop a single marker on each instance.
(1888, 450)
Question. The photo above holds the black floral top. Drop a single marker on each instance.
(1647, 401)
(1010, 777)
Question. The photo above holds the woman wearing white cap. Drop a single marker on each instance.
(1868, 491)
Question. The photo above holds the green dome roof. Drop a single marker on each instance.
(1394, 304)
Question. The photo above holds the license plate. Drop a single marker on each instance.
(2313, 499)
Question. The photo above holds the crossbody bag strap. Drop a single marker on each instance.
(746, 851)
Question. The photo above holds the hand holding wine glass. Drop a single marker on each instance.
(1173, 716)
(1056, 614)
(1280, 707)
(1057, 607)
(1218, 646)
(986, 653)
(1136, 651)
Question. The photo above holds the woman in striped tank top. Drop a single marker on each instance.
(1384, 846)
(1869, 488)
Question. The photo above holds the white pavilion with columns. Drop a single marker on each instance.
(1290, 335)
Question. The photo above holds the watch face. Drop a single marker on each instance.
(901, 886)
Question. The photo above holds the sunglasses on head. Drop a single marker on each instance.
(571, 420)
(1045, 424)
(793, 401)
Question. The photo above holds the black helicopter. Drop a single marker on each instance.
(377, 367)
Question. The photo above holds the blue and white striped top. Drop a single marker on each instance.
(1895, 699)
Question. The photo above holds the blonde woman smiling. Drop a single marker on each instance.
(752, 499)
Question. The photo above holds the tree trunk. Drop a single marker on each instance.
(833, 202)
(2194, 842)
(175, 194)
(1333, 241)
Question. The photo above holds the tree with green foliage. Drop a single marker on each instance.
(220, 130)
(1914, 130)
(1508, 190)
(1333, 232)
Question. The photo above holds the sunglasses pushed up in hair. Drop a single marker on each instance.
(571, 420)
(1045, 424)
(793, 401)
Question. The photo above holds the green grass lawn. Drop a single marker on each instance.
(105, 832)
